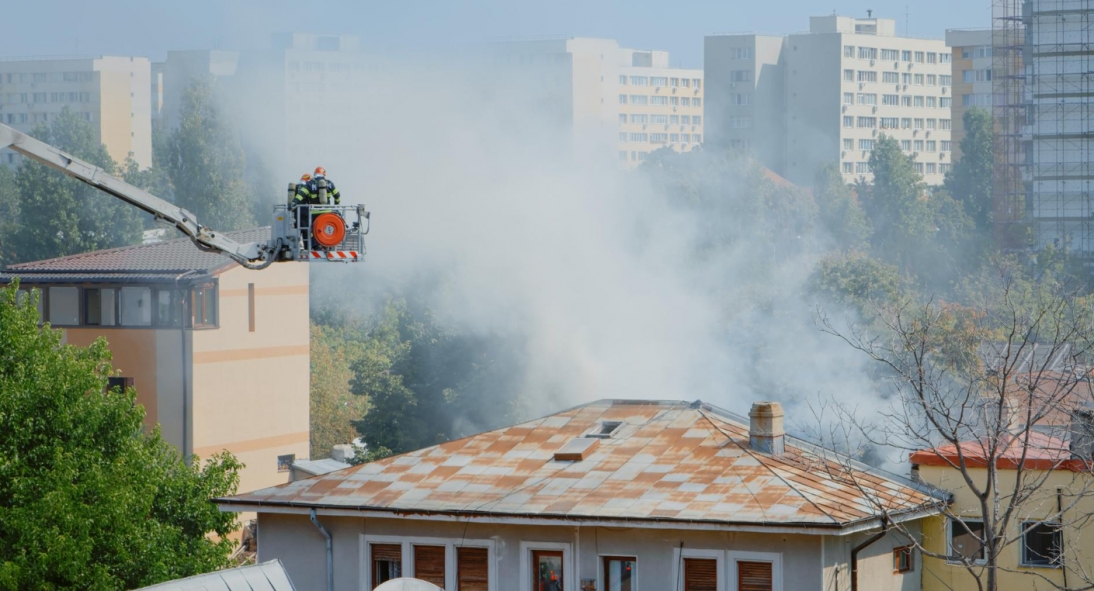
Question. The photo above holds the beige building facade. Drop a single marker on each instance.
(218, 354)
(112, 93)
(844, 84)
(972, 63)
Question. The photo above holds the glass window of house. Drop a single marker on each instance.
(902, 559)
(1042, 544)
(168, 308)
(136, 305)
(548, 575)
(99, 307)
(619, 573)
(387, 562)
(64, 306)
(965, 536)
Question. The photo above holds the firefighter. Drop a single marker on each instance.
(332, 192)
(300, 204)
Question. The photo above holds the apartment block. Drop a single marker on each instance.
(972, 63)
(607, 97)
(181, 69)
(843, 84)
(110, 92)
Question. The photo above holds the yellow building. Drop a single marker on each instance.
(112, 93)
(1043, 538)
(658, 106)
(972, 66)
(218, 354)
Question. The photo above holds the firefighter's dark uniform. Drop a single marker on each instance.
(307, 197)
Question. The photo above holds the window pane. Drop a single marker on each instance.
(136, 306)
(168, 308)
(387, 562)
(1042, 544)
(548, 575)
(64, 308)
(429, 564)
(965, 539)
(99, 307)
(619, 574)
(472, 569)
(700, 574)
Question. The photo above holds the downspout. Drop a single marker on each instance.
(185, 368)
(1060, 512)
(330, 553)
(860, 548)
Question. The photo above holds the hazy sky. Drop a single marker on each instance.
(150, 28)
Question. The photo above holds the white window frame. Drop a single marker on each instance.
(949, 541)
(600, 574)
(775, 558)
(679, 554)
(526, 549)
(450, 559)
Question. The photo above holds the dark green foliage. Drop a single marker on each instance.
(969, 181)
(60, 216)
(9, 215)
(839, 211)
(87, 499)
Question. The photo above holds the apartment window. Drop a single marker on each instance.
(906, 100)
(39, 97)
(944, 168)
(867, 122)
(696, 102)
(674, 82)
(932, 168)
(622, 118)
(919, 123)
(920, 57)
(639, 80)
(906, 78)
(848, 75)
(902, 560)
(203, 306)
(917, 101)
(696, 120)
(674, 119)
(965, 539)
(945, 124)
(472, 569)
(684, 82)
(918, 145)
(890, 123)
(944, 58)
(659, 119)
(740, 122)
(685, 138)
(867, 99)
(866, 145)
(622, 99)
(735, 76)
(932, 123)
(890, 55)
(41, 78)
(848, 144)
(429, 564)
(119, 384)
(976, 100)
(867, 76)
(867, 53)
(697, 83)
(918, 79)
(659, 138)
(905, 56)
(620, 573)
(548, 575)
(1042, 544)
(639, 100)
(674, 138)
(848, 168)
(136, 306)
(947, 146)
(697, 138)
(674, 101)
(848, 98)
(700, 574)
(685, 102)
(932, 57)
(862, 168)
(659, 81)
(848, 51)
(932, 80)
(932, 102)
(638, 137)
(659, 101)
(906, 145)
(64, 306)
(848, 121)
(740, 53)
(945, 79)
(387, 562)
(99, 307)
(890, 77)
(890, 100)
(639, 119)
(685, 119)
(945, 102)
(623, 136)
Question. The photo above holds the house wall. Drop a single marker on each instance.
(941, 575)
(299, 545)
(250, 389)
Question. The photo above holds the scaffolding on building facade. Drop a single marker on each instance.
(1043, 65)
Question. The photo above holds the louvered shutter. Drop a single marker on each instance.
(754, 576)
(387, 552)
(472, 568)
(429, 564)
(700, 574)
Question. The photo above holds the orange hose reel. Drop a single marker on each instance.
(329, 229)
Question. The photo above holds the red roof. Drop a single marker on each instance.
(1034, 451)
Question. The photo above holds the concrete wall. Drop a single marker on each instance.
(299, 545)
(813, 90)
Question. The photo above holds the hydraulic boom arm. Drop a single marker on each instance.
(255, 255)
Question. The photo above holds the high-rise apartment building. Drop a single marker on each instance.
(110, 92)
(608, 97)
(825, 97)
(181, 70)
(972, 63)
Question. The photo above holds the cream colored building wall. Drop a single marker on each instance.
(251, 389)
(968, 42)
(637, 139)
(940, 575)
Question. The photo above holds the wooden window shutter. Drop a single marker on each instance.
(388, 552)
(754, 576)
(472, 569)
(429, 564)
(700, 574)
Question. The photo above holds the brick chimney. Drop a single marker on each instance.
(765, 430)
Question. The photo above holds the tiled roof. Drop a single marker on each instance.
(1040, 451)
(669, 461)
(148, 261)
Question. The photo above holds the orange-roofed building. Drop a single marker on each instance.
(614, 494)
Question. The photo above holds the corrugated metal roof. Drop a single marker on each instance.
(316, 467)
(147, 262)
(268, 576)
(669, 461)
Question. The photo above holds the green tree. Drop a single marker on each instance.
(839, 212)
(87, 498)
(206, 163)
(60, 216)
(9, 215)
(855, 279)
(334, 406)
(969, 181)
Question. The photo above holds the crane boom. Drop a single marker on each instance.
(253, 255)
